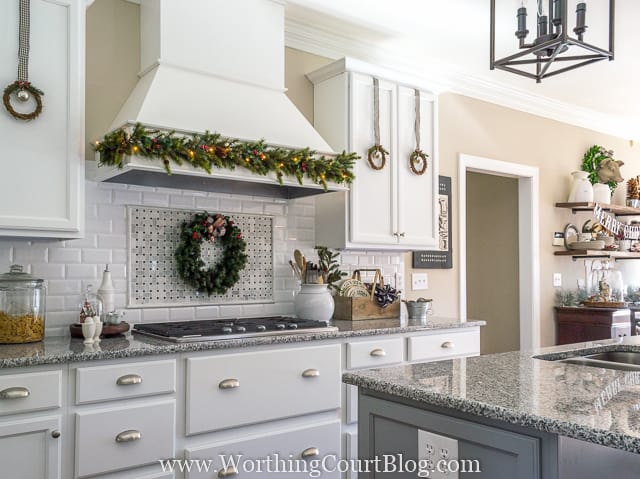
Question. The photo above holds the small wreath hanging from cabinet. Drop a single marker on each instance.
(377, 154)
(22, 89)
(418, 159)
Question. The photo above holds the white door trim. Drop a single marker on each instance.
(528, 233)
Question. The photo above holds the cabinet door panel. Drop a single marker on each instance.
(321, 440)
(27, 449)
(417, 205)
(373, 193)
(42, 194)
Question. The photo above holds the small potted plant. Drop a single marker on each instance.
(604, 172)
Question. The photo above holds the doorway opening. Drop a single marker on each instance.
(518, 258)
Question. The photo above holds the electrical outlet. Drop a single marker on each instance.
(557, 279)
(419, 281)
(437, 451)
(399, 281)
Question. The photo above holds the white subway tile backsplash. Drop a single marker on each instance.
(112, 241)
(48, 271)
(69, 266)
(96, 256)
(65, 255)
(207, 203)
(82, 271)
(127, 197)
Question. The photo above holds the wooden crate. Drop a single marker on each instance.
(355, 309)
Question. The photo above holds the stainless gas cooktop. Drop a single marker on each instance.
(220, 329)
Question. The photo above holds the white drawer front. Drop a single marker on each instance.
(444, 345)
(235, 389)
(316, 442)
(104, 383)
(30, 392)
(368, 354)
(145, 434)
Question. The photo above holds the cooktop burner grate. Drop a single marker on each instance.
(218, 329)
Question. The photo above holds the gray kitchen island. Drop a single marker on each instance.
(546, 414)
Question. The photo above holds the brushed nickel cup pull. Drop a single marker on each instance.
(378, 353)
(447, 345)
(129, 380)
(310, 373)
(17, 392)
(130, 435)
(55, 434)
(229, 384)
(228, 472)
(310, 452)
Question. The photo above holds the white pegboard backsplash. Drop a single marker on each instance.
(68, 266)
(154, 280)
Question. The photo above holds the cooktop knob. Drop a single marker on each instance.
(241, 329)
(261, 327)
(280, 326)
(293, 326)
(227, 330)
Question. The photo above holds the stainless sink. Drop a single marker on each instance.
(621, 360)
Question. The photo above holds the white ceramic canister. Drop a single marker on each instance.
(314, 301)
(601, 194)
(581, 188)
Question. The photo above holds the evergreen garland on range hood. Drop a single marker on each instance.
(207, 151)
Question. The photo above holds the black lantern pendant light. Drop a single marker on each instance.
(545, 55)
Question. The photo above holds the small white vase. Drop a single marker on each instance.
(581, 189)
(314, 302)
(601, 194)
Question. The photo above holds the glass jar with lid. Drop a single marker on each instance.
(22, 307)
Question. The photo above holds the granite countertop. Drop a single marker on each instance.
(593, 404)
(59, 349)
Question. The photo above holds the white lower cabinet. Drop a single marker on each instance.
(116, 419)
(112, 439)
(259, 387)
(290, 453)
(31, 448)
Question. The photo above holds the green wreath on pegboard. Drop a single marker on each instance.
(217, 278)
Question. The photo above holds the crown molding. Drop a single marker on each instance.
(321, 39)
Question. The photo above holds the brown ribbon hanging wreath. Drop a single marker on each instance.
(376, 155)
(21, 88)
(418, 157)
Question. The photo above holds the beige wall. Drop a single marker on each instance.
(492, 260)
(113, 62)
(299, 89)
(483, 129)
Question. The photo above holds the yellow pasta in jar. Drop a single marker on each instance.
(26, 328)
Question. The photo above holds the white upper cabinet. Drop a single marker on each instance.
(42, 180)
(393, 207)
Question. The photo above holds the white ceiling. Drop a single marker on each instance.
(453, 36)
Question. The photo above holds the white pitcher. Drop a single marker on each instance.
(314, 301)
(581, 189)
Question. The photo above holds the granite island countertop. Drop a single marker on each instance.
(592, 404)
(60, 349)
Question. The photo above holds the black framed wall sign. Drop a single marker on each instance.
(440, 258)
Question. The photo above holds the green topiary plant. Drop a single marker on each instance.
(592, 159)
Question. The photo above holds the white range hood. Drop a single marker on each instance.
(215, 65)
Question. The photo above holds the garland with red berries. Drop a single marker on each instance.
(217, 278)
(211, 150)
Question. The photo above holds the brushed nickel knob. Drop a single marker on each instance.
(55, 434)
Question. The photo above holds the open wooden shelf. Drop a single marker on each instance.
(618, 210)
(592, 253)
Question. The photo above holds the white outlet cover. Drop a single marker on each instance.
(557, 279)
(433, 448)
